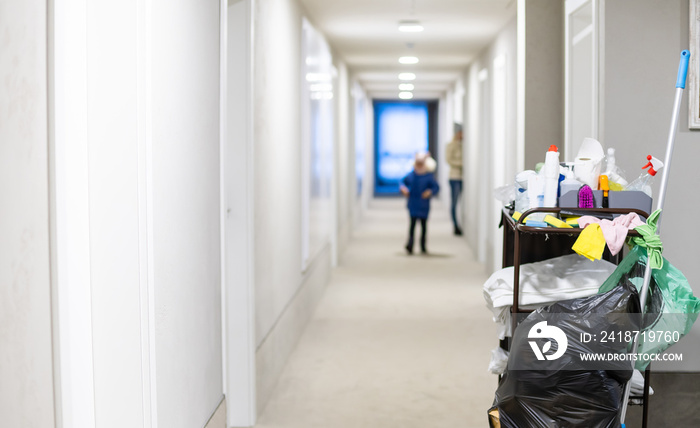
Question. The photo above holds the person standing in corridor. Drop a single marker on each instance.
(453, 155)
(419, 186)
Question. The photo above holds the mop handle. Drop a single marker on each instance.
(683, 69)
(680, 85)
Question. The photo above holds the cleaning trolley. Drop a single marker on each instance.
(574, 331)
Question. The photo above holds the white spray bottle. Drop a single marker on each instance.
(551, 176)
(643, 183)
(612, 171)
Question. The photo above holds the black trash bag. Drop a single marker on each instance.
(548, 385)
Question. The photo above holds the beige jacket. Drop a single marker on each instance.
(453, 155)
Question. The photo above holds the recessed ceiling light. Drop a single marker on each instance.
(408, 60)
(406, 87)
(318, 77)
(407, 76)
(320, 87)
(410, 26)
(405, 95)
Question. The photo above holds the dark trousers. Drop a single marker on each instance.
(411, 230)
(456, 191)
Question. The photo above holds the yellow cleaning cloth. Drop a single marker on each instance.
(591, 242)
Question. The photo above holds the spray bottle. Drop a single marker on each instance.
(643, 183)
(613, 171)
(551, 176)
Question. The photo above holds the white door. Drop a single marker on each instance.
(582, 79)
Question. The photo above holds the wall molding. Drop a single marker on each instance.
(218, 417)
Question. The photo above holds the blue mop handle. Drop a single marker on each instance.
(683, 69)
(680, 84)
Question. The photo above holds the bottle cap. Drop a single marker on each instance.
(553, 148)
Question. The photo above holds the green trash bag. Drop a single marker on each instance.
(671, 308)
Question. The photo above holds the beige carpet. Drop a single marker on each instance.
(397, 340)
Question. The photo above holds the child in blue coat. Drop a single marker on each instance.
(419, 185)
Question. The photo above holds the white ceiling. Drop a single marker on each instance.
(365, 35)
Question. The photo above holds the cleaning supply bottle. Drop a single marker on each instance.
(643, 183)
(613, 171)
(605, 187)
(551, 176)
(570, 184)
(522, 200)
(535, 190)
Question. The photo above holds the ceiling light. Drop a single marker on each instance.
(410, 27)
(405, 95)
(408, 60)
(320, 87)
(318, 77)
(407, 76)
(406, 87)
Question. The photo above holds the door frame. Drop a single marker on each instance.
(237, 212)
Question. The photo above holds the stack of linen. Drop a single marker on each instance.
(561, 278)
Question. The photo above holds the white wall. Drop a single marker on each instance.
(137, 99)
(285, 296)
(506, 134)
(186, 220)
(345, 153)
(364, 141)
(70, 217)
(544, 79)
(361, 148)
(277, 131)
(318, 179)
(481, 215)
(470, 152)
(26, 386)
(647, 37)
(148, 102)
(112, 134)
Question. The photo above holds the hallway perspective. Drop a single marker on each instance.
(397, 340)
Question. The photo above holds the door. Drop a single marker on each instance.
(582, 60)
(401, 130)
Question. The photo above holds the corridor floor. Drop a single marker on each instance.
(397, 340)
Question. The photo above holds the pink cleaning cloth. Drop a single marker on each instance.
(615, 232)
